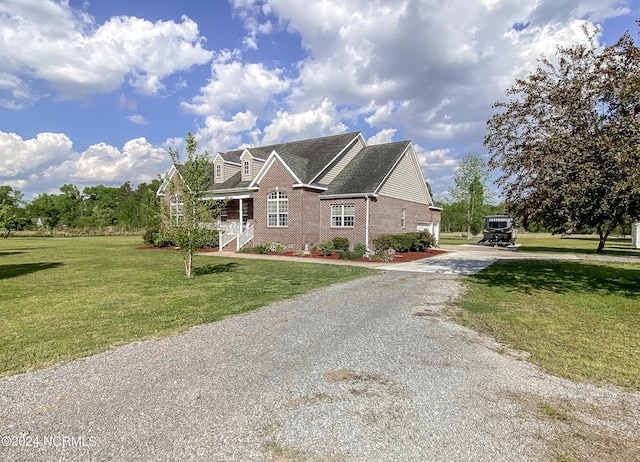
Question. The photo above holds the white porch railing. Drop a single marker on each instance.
(245, 237)
(229, 235)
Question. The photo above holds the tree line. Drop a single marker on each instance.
(96, 207)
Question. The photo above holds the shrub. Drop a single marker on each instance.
(149, 235)
(415, 242)
(326, 248)
(340, 243)
(163, 239)
(397, 242)
(261, 249)
(423, 241)
(357, 253)
(208, 238)
(360, 248)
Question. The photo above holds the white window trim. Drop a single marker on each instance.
(342, 215)
(246, 168)
(176, 215)
(403, 219)
(219, 172)
(279, 198)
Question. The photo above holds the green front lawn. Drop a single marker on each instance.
(580, 320)
(64, 298)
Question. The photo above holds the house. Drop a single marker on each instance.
(306, 192)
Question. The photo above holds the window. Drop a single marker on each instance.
(218, 170)
(403, 220)
(176, 215)
(277, 209)
(343, 216)
(223, 214)
(247, 168)
(245, 212)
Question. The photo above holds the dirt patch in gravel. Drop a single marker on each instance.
(587, 431)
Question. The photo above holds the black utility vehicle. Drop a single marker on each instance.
(499, 230)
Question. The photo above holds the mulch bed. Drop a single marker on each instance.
(399, 257)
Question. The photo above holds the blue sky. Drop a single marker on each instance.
(95, 92)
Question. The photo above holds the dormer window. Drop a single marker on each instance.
(218, 170)
(246, 168)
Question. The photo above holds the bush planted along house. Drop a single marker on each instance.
(419, 241)
(340, 243)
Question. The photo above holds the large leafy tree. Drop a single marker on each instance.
(9, 196)
(568, 140)
(470, 189)
(190, 210)
(11, 215)
(70, 205)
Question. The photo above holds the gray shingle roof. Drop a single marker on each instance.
(365, 173)
(235, 182)
(306, 158)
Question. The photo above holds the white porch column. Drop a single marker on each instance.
(239, 225)
(366, 224)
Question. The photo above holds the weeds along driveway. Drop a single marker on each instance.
(367, 370)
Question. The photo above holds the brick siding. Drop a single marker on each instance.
(386, 213)
(303, 210)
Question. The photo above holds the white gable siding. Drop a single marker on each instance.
(347, 157)
(230, 170)
(246, 157)
(406, 182)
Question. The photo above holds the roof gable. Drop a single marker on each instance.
(305, 158)
(167, 179)
(368, 169)
(405, 181)
(273, 158)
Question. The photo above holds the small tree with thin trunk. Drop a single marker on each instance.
(470, 180)
(190, 213)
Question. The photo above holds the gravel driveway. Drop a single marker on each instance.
(370, 370)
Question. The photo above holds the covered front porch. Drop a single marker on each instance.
(235, 222)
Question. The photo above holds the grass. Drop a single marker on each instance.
(580, 243)
(580, 320)
(539, 242)
(64, 298)
(555, 413)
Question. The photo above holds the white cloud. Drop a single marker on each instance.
(450, 60)
(435, 158)
(19, 157)
(47, 161)
(137, 119)
(383, 114)
(219, 135)
(102, 163)
(319, 120)
(383, 136)
(17, 91)
(49, 40)
(250, 11)
(237, 86)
